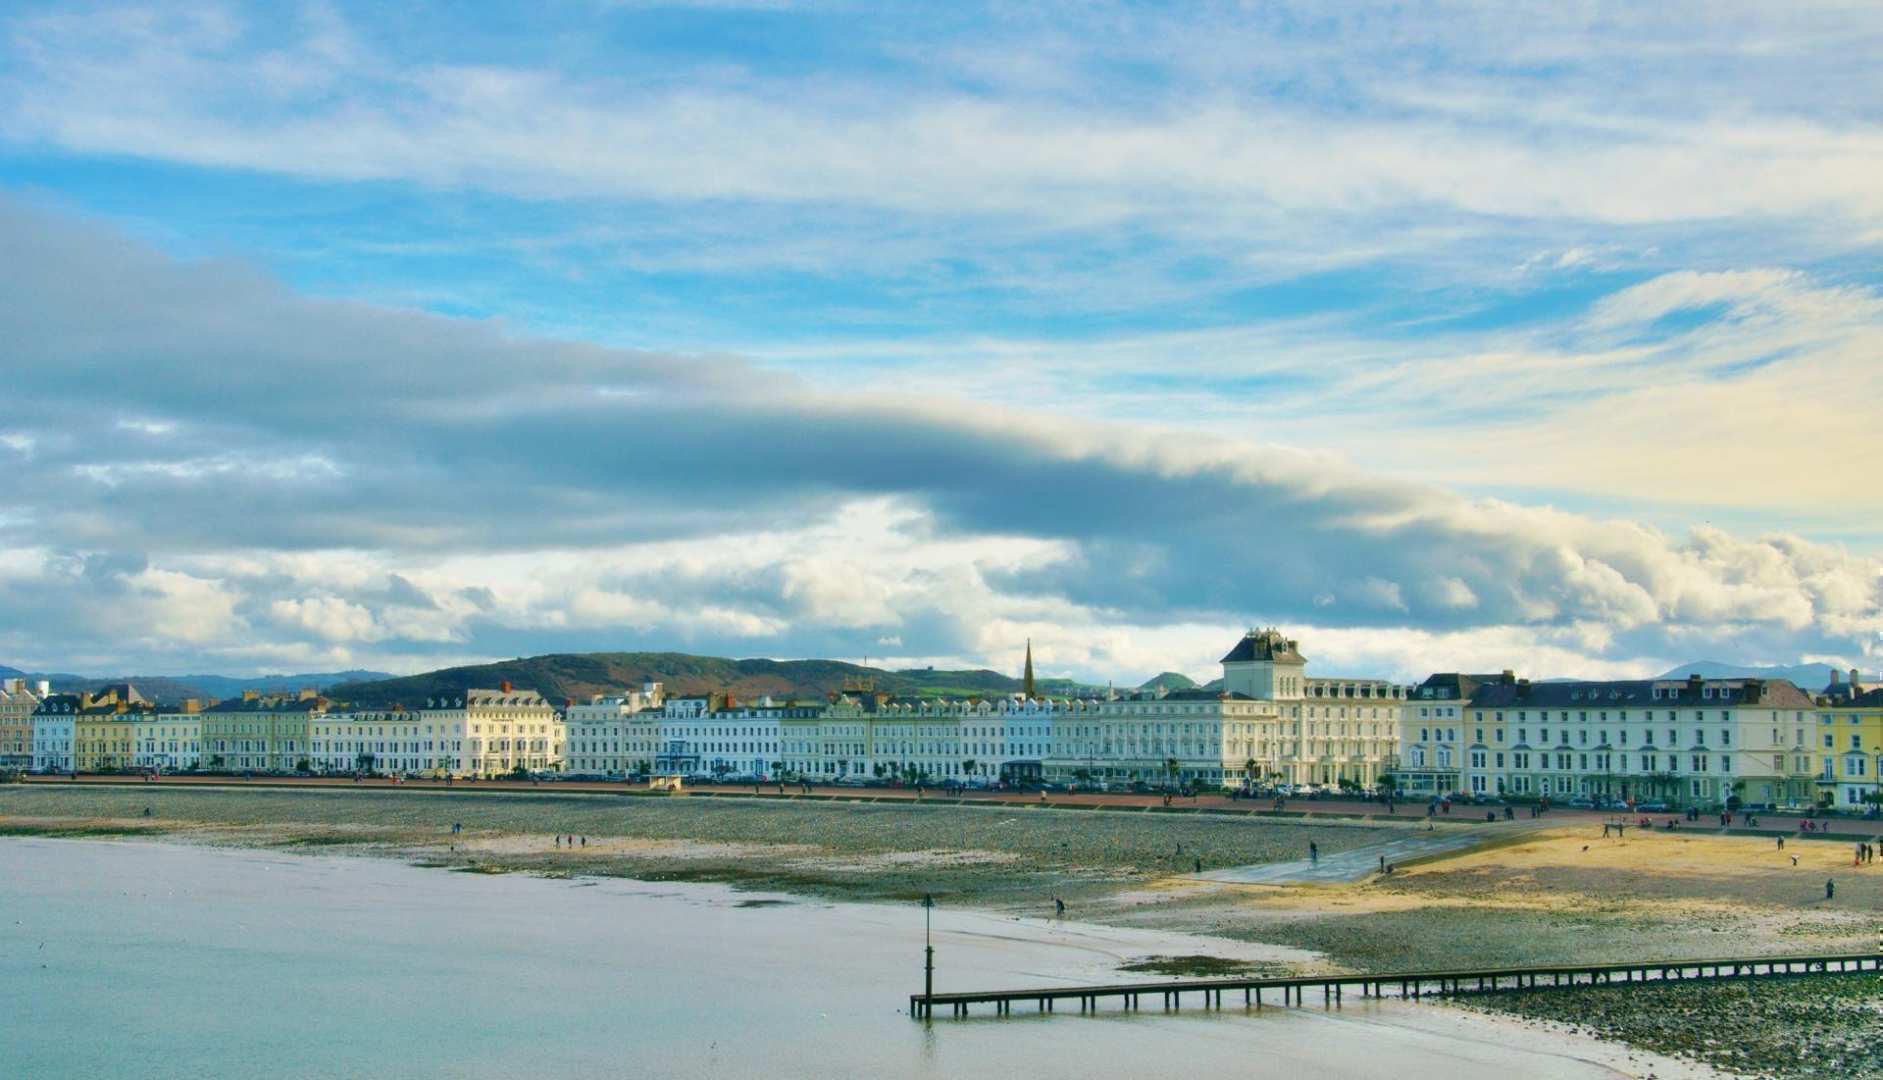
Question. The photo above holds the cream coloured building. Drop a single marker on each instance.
(614, 734)
(18, 702)
(169, 739)
(490, 733)
(1693, 741)
(1271, 723)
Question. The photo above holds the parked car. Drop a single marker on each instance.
(1654, 806)
(1580, 803)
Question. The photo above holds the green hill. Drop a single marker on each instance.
(579, 675)
(1169, 680)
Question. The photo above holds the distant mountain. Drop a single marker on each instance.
(173, 688)
(1808, 677)
(1169, 680)
(579, 675)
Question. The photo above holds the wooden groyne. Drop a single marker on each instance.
(1411, 984)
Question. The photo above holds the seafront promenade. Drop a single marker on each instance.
(1786, 824)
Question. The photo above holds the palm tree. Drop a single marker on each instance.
(968, 766)
(1248, 773)
(1170, 768)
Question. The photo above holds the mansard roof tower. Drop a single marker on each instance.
(1265, 665)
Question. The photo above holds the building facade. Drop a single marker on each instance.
(1431, 725)
(494, 733)
(169, 738)
(1689, 742)
(1849, 748)
(261, 732)
(18, 703)
(614, 734)
(1270, 724)
(54, 732)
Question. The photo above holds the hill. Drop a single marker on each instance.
(1169, 680)
(174, 688)
(579, 675)
(1808, 677)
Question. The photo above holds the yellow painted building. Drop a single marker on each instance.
(104, 728)
(260, 733)
(1850, 749)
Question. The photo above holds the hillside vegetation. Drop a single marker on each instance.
(580, 675)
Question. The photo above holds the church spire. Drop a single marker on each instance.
(1026, 680)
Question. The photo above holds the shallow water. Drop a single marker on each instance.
(165, 960)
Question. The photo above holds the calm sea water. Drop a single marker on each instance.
(161, 960)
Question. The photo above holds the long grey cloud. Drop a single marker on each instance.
(168, 415)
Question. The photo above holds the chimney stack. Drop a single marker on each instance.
(251, 695)
(504, 686)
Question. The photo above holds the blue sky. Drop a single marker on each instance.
(1449, 335)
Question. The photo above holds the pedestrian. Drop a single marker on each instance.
(1794, 860)
(1314, 853)
(1781, 843)
(1382, 864)
(585, 841)
(1059, 906)
(1199, 866)
(1830, 888)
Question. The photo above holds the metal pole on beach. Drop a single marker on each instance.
(928, 953)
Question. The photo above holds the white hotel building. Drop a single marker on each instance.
(1269, 724)
(615, 734)
(1686, 741)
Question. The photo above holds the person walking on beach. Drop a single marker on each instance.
(1314, 853)
(1794, 860)
(1059, 907)
(1781, 843)
(1830, 888)
(585, 841)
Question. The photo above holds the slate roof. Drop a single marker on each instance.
(1265, 645)
(1639, 693)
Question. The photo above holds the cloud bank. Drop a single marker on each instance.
(210, 467)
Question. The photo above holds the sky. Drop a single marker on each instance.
(1445, 336)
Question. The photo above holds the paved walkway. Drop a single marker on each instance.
(1355, 864)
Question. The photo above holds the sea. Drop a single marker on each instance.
(163, 959)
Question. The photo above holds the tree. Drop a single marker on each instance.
(1387, 782)
(1171, 768)
(968, 766)
(304, 766)
(1248, 772)
(215, 761)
